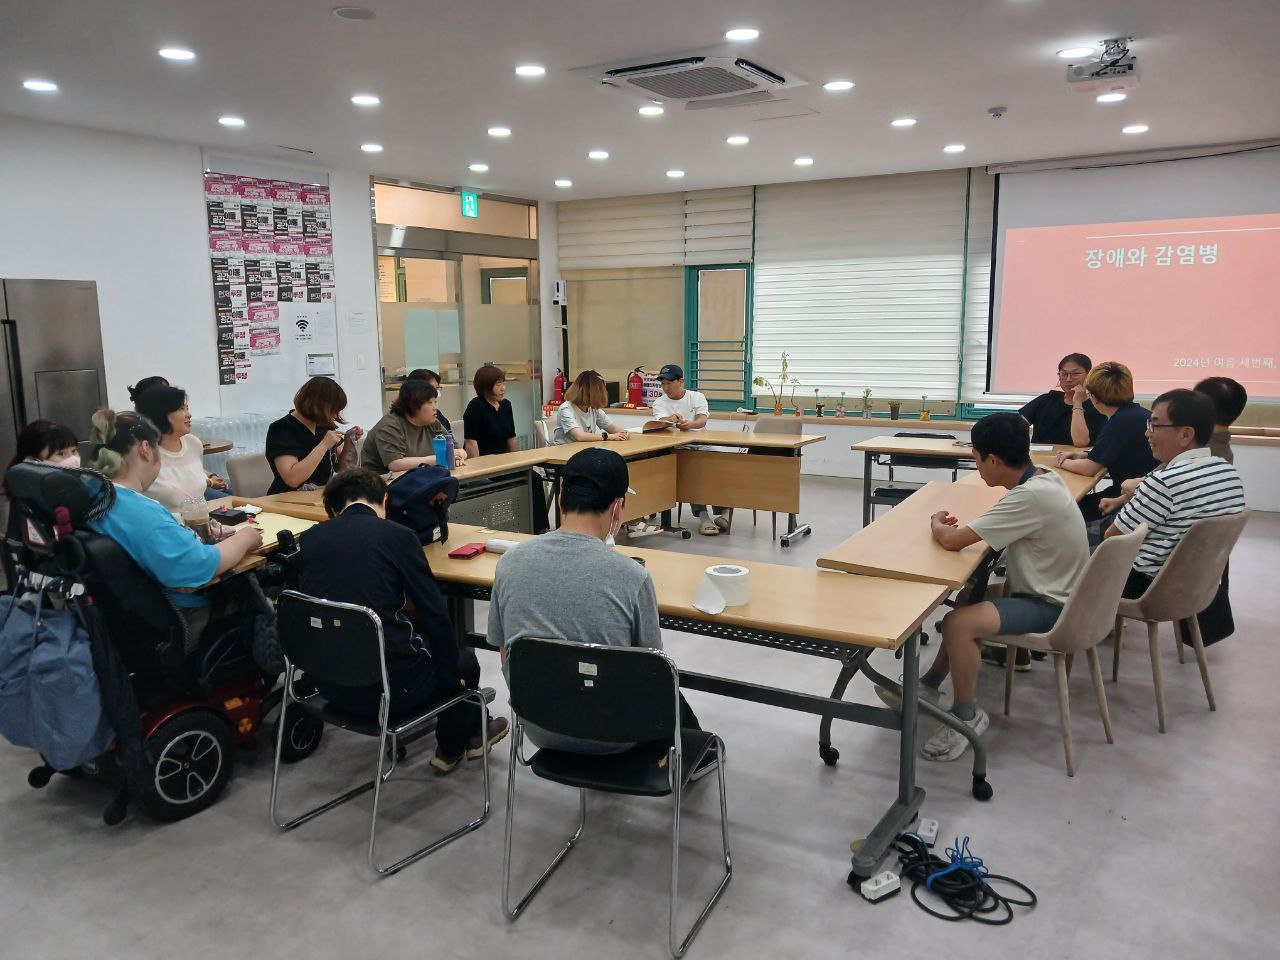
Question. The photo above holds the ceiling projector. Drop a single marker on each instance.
(1116, 71)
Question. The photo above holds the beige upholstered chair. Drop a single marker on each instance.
(1084, 623)
(542, 433)
(1184, 586)
(250, 475)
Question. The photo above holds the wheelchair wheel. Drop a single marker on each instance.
(192, 765)
(302, 737)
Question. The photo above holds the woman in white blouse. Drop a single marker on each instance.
(582, 416)
(182, 475)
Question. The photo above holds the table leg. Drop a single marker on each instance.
(866, 489)
(795, 529)
(848, 670)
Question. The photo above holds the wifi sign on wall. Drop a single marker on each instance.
(302, 323)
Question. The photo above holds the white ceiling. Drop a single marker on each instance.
(445, 73)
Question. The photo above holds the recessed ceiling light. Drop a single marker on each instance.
(1135, 128)
(742, 33)
(479, 168)
(530, 70)
(903, 122)
(564, 184)
(804, 161)
(835, 86)
(651, 110)
(1110, 97)
(177, 53)
(353, 13)
(371, 147)
(365, 100)
(675, 174)
(599, 154)
(1075, 53)
(953, 148)
(737, 140)
(40, 86)
(499, 131)
(231, 121)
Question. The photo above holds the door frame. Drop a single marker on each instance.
(691, 327)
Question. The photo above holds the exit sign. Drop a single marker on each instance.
(470, 205)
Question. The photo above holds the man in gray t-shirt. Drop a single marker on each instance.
(570, 584)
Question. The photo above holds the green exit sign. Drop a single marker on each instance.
(470, 205)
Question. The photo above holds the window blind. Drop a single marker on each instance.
(859, 281)
(982, 196)
(662, 230)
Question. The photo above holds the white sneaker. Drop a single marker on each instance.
(949, 744)
(722, 523)
(707, 527)
(939, 698)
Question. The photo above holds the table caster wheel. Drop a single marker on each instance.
(855, 879)
(981, 789)
(785, 543)
(828, 753)
(686, 535)
(808, 533)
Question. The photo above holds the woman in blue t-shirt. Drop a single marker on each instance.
(126, 450)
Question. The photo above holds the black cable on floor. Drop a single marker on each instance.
(961, 882)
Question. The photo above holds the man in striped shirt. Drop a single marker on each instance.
(1192, 485)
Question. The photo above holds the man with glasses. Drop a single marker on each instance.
(1192, 485)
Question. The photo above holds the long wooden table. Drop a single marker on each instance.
(798, 609)
(946, 452)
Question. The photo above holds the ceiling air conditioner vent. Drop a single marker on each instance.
(700, 80)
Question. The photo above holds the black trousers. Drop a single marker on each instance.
(1216, 621)
(413, 691)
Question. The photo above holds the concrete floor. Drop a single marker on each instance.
(1161, 846)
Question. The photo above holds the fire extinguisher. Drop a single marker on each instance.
(635, 388)
(561, 383)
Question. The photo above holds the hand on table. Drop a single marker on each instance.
(459, 457)
(250, 536)
(620, 435)
(944, 518)
(1069, 455)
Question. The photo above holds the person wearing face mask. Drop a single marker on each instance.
(127, 450)
(597, 596)
(403, 438)
(1065, 415)
(46, 442)
(182, 475)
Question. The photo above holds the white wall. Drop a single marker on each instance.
(128, 213)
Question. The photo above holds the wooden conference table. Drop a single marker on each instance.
(943, 450)
(662, 469)
(799, 609)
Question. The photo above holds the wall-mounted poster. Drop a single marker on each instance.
(271, 260)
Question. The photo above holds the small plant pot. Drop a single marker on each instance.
(866, 414)
(894, 409)
(924, 414)
(777, 409)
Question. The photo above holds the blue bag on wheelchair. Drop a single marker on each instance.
(419, 499)
(50, 700)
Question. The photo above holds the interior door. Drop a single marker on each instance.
(718, 343)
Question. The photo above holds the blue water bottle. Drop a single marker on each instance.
(444, 452)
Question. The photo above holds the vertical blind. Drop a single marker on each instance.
(982, 195)
(660, 230)
(859, 282)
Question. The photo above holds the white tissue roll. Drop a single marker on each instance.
(732, 581)
(497, 545)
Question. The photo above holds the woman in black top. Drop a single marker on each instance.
(1065, 416)
(304, 447)
(488, 423)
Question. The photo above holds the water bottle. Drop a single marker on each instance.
(444, 452)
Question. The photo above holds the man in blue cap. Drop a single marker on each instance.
(688, 410)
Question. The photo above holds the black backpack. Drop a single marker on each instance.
(419, 499)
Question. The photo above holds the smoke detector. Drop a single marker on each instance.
(701, 80)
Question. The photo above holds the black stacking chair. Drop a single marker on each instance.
(895, 493)
(342, 644)
(618, 695)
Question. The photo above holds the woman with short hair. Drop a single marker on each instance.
(405, 437)
(182, 475)
(304, 447)
(581, 417)
(1065, 416)
(489, 423)
(433, 378)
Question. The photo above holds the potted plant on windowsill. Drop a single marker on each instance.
(924, 408)
(866, 404)
(895, 408)
(783, 381)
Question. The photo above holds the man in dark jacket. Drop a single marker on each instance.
(360, 557)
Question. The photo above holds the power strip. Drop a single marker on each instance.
(880, 887)
(927, 830)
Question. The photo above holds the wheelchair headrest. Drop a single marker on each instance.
(40, 490)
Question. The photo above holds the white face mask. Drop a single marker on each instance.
(614, 524)
(70, 460)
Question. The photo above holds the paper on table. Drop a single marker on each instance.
(271, 524)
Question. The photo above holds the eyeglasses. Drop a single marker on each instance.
(1163, 426)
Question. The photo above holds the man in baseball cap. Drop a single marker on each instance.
(688, 410)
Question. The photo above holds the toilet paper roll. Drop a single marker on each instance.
(723, 585)
(497, 545)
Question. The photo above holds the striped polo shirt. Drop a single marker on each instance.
(1192, 486)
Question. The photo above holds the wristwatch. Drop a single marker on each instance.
(604, 434)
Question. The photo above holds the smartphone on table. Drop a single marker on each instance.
(467, 551)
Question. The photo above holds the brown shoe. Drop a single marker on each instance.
(498, 728)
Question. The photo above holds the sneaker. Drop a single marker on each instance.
(939, 698)
(948, 744)
(722, 523)
(442, 766)
(499, 727)
(707, 527)
(996, 657)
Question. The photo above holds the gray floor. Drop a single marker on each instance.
(1161, 846)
